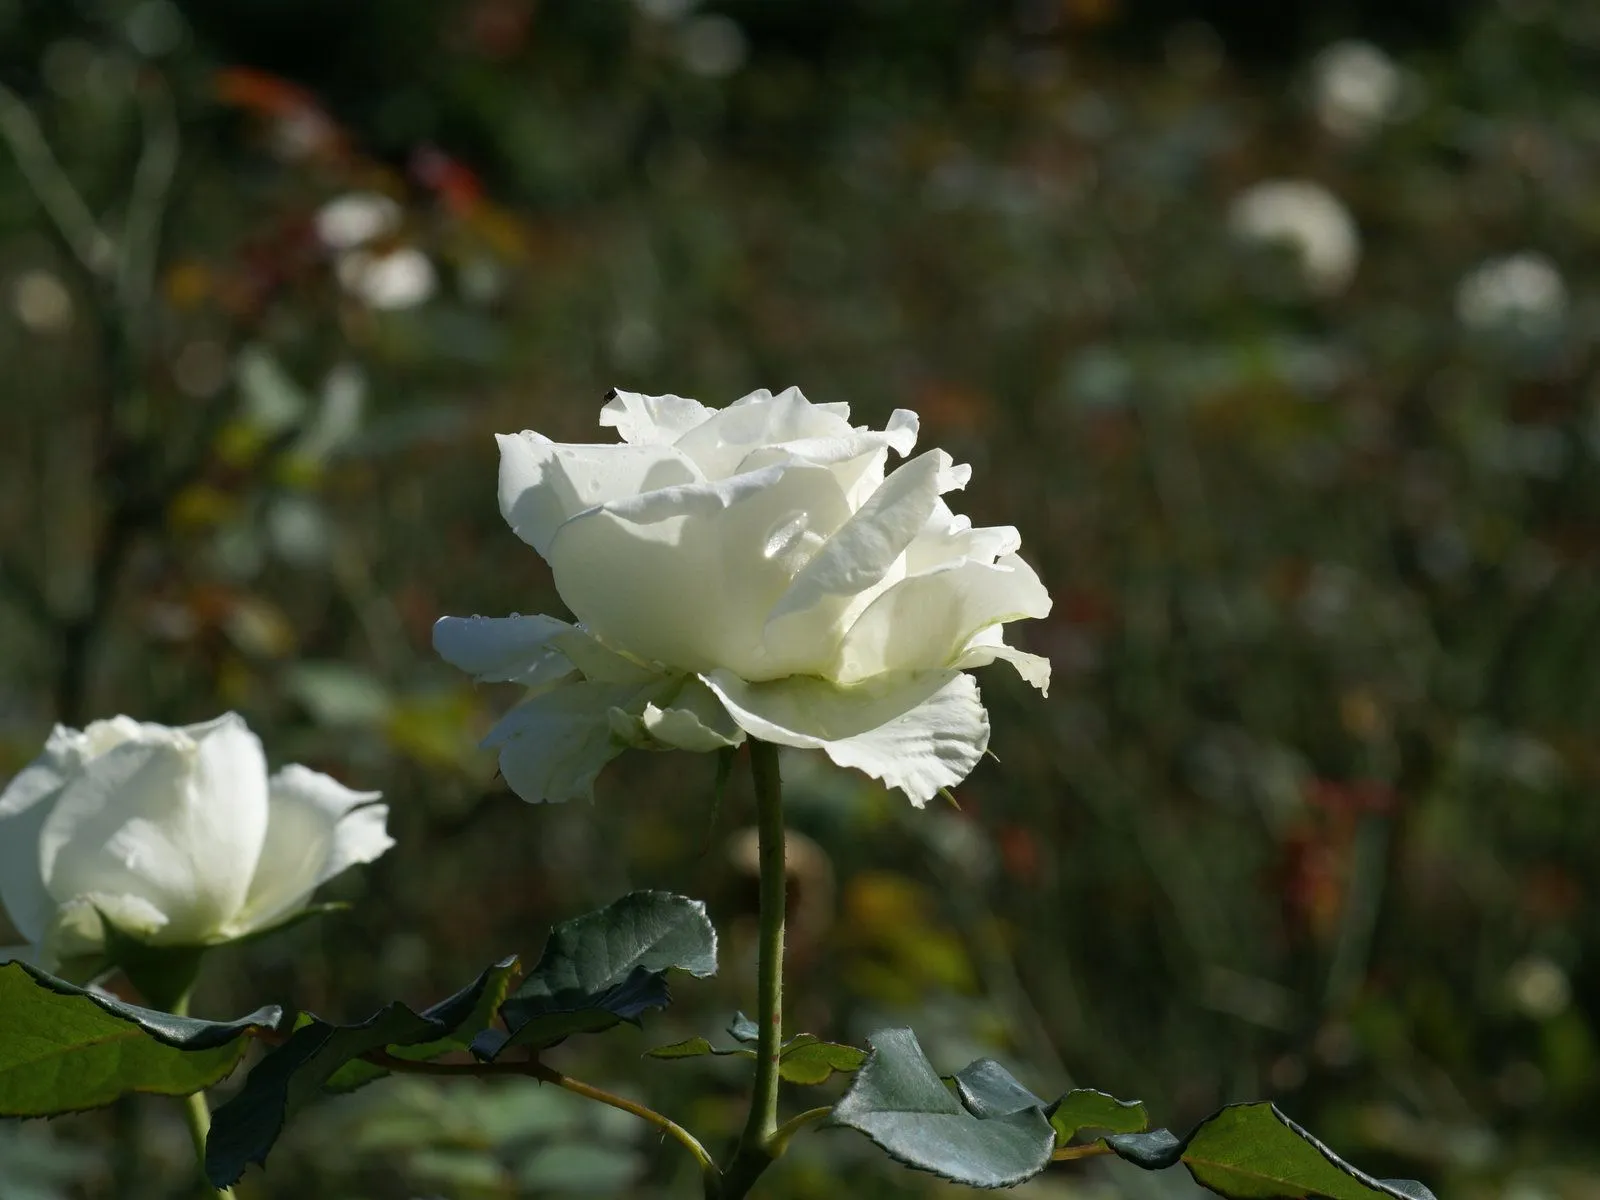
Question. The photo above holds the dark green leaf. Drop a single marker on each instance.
(606, 967)
(899, 1102)
(497, 983)
(1153, 1151)
(719, 789)
(989, 1090)
(244, 1129)
(66, 1049)
(1254, 1152)
(1085, 1108)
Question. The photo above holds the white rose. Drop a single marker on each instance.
(748, 570)
(1310, 221)
(1520, 292)
(177, 836)
(1357, 87)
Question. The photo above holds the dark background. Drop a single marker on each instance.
(1310, 813)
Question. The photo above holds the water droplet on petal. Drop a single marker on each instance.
(785, 535)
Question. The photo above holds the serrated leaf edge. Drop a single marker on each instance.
(1178, 1151)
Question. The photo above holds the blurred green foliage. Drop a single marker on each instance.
(1310, 814)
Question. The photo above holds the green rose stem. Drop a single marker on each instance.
(532, 1069)
(761, 1142)
(196, 1113)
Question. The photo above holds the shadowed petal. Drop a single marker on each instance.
(916, 732)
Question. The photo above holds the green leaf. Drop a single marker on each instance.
(496, 983)
(604, 968)
(244, 1129)
(807, 1059)
(719, 789)
(1086, 1108)
(804, 1058)
(989, 1090)
(1254, 1152)
(743, 1029)
(695, 1047)
(999, 1138)
(66, 1049)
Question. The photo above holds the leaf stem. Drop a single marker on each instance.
(197, 1114)
(668, 1126)
(760, 1144)
(785, 1132)
(537, 1070)
(1073, 1153)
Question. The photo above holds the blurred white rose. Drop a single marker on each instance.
(1356, 88)
(177, 836)
(357, 218)
(749, 570)
(1520, 292)
(400, 278)
(1308, 219)
(381, 276)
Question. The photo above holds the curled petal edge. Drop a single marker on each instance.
(918, 732)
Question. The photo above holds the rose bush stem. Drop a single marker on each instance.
(671, 1128)
(759, 1144)
(197, 1113)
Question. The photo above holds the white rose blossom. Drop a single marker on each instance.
(753, 571)
(1523, 292)
(178, 837)
(1357, 88)
(1310, 221)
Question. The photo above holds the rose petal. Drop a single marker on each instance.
(225, 824)
(78, 928)
(544, 484)
(763, 395)
(866, 546)
(117, 830)
(504, 649)
(316, 829)
(916, 732)
(719, 444)
(856, 458)
(24, 805)
(693, 592)
(990, 645)
(694, 719)
(651, 420)
(599, 663)
(926, 621)
(948, 538)
(552, 746)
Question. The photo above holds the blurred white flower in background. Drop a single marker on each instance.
(1356, 88)
(382, 277)
(664, 10)
(712, 46)
(1523, 292)
(41, 302)
(355, 219)
(400, 278)
(1539, 987)
(1308, 219)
